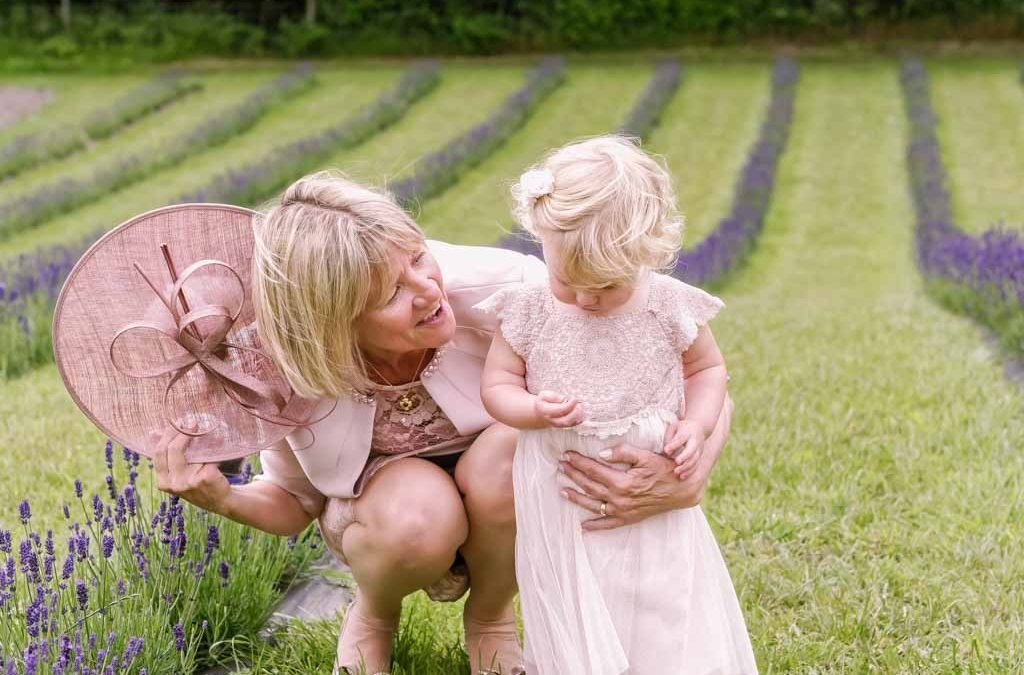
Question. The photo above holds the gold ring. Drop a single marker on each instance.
(604, 509)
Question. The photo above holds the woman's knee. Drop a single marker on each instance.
(484, 476)
(411, 514)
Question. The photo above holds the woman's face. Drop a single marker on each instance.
(415, 314)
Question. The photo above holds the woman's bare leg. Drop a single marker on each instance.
(410, 521)
(484, 476)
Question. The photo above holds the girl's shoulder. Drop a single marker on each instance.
(681, 308)
(522, 310)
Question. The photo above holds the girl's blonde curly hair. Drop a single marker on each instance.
(609, 205)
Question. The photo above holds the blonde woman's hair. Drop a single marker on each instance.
(322, 258)
(610, 207)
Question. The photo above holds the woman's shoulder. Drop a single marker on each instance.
(472, 267)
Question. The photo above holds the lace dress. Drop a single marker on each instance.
(653, 598)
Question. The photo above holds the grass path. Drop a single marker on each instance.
(867, 500)
(75, 96)
(980, 106)
(148, 135)
(593, 100)
(339, 93)
(705, 134)
(466, 96)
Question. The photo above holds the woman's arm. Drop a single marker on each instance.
(261, 504)
(648, 487)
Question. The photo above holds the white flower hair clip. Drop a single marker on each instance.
(535, 184)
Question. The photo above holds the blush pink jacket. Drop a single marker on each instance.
(330, 466)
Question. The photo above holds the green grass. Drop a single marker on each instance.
(705, 134)
(149, 135)
(980, 106)
(339, 93)
(866, 503)
(75, 96)
(593, 100)
(466, 96)
(45, 444)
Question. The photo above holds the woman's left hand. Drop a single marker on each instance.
(649, 485)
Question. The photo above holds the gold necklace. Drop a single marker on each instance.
(407, 402)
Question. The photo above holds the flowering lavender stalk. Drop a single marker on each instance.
(46, 201)
(441, 168)
(29, 150)
(982, 276)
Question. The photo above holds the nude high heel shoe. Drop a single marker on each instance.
(361, 636)
(493, 646)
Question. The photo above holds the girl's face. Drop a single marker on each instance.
(415, 314)
(605, 300)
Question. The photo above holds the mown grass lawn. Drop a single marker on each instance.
(869, 500)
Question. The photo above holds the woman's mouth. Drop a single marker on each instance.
(434, 317)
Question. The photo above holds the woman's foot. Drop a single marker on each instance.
(493, 645)
(364, 644)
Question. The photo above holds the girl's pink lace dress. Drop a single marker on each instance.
(652, 598)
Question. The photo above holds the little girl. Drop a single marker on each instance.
(594, 358)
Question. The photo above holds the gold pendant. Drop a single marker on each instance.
(407, 403)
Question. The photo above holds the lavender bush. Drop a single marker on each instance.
(646, 113)
(136, 584)
(256, 180)
(441, 168)
(981, 276)
(735, 236)
(46, 201)
(17, 102)
(26, 151)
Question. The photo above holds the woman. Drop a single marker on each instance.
(407, 473)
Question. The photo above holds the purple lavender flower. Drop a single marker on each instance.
(108, 454)
(82, 594)
(69, 567)
(24, 512)
(67, 512)
(97, 508)
(78, 488)
(108, 546)
(5, 541)
(224, 570)
(179, 637)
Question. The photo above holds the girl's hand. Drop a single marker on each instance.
(202, 484)
(684, 441)
(555, 410)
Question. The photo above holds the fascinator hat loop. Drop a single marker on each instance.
(141, 346)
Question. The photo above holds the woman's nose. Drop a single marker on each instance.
(427, 293)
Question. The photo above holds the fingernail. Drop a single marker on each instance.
(605, 454)
(565, 493)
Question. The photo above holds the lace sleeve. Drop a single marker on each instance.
(682, 309)
(520, 310)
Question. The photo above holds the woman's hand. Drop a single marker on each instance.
(648, 486)
(202, 484)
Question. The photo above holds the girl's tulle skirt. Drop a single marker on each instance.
(653, 598)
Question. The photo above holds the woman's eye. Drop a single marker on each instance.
(419, 257)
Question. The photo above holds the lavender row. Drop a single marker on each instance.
(441, 168)
(16, 102)
(735, 236)
(255, 181)
(26, 151)
(137, 583)
(982, 276)
(640, 121)
(646, 113)
(46, 201)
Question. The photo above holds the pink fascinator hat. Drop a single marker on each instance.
(155, 327)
